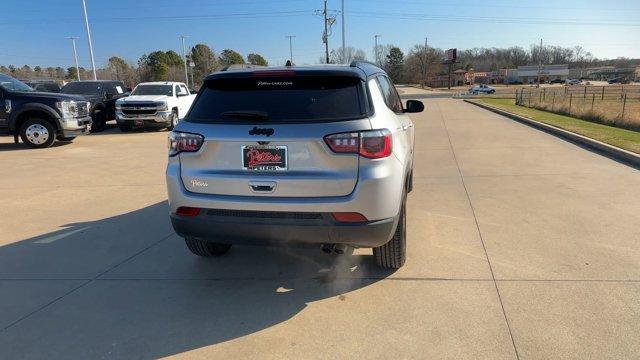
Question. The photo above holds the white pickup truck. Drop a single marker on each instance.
(154, 104)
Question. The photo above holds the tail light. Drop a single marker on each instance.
(184, 142)
(372, 144)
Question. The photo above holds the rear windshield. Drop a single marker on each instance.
(153, 90)
(82, 88)
(281, 99)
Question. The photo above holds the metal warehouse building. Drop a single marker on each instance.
(529, 74)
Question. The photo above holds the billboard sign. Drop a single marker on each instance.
(450, 56)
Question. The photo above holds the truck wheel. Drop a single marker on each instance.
(174, 120)
(37, 133)
(393, 254)
(99, 121)
(205, 248)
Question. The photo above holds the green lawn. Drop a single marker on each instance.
(625, 139)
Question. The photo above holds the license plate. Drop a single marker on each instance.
(264, 158)
(138, 122)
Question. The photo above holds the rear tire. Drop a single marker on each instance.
(38, 133)
(206, 248)
(99, 121)
(393, 254)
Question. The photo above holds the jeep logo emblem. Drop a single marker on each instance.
(259, 131)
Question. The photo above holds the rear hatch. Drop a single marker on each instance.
(264, 134)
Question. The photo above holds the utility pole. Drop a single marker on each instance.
(290, 47)
(375, 49)
(424, 73)
(75, 54)
(328, 22)
(86, 26)
(184, 55)
(326, 33)
(539, 63)
(343, 36)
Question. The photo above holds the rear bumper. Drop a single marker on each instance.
(255, 230)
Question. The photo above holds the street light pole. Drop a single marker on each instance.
(290, 47)
(86, 26)
(75, 54)
(375, 37)
(184, 55)
(343, 35)
(539, 63)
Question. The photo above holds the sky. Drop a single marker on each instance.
(34, 32)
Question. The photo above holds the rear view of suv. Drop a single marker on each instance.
(295, 155)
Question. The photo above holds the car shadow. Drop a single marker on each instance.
(11, 146)
(139, 293)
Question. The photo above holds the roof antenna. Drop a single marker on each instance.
(288, 63)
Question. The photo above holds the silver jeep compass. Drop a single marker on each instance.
(317, 155)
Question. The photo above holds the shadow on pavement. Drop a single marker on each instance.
(142, 294)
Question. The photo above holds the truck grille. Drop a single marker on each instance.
(139, 109)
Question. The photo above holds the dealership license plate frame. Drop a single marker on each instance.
(281, 150)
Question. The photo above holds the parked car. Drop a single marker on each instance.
(619, 80)
(574, 82)
(315, 155)
(557, 81)
(154, 104)
(102, 94)
(482, 89)
(40, 118)
(43, 85)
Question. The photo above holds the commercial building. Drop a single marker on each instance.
(529, 74)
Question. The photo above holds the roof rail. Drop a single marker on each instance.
(355, 63)
(241, 66)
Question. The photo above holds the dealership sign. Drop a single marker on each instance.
(450, 56)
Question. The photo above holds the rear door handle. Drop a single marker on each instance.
(262, 186)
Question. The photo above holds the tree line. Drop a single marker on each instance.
(417, 64)
(155, 66)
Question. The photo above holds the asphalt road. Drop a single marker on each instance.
(520, 245)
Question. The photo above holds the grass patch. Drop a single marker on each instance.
(625, 139)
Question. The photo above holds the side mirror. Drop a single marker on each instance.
(414, 106)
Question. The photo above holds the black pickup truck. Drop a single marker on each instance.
(39, 118)
(102, 94)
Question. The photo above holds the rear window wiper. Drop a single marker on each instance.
(245, 114)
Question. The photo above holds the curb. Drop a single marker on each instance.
(611, 151)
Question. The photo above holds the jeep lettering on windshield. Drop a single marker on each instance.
(271, 158)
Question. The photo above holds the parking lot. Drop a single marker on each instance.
(520, 245)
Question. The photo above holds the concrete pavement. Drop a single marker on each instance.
(520, 245)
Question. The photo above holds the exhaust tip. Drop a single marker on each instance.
(327, 248)
(340, 249)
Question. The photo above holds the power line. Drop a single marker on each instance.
(485, 19)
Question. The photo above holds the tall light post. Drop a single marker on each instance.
(290, 47)
(376, 48)
(343, 36)
(86, 26)
(75, 54)
(184, 55)
(539, 63)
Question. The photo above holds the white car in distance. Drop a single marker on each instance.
(154, 104)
